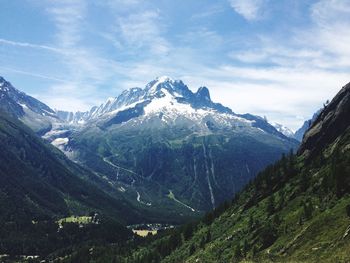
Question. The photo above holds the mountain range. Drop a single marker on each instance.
(200, 151)
(161, 144)
(295, 210)
(165, 154)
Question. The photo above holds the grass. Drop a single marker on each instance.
(144, 233)
(75, 219)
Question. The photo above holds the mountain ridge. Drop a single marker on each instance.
(153, 129)
(296, 210)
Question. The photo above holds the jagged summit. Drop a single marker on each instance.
(163, 102)
(175, 90)
(203, 93)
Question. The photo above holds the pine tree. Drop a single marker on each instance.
(237, 253)
(188, 231)
(245, 248)
(192, 249)
(254, 251)
(270, 208)
(251, 222)
(208, 237)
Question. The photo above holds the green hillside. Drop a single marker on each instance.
(39, 186)
(296, 210)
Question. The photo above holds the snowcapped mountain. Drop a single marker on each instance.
(160, 139)
(167, 138)
(167, 102)
(283, 129)
(31, 111)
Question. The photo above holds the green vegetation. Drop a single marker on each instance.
(76, 219)
(38, 186)
(296, 210)
(177, 159)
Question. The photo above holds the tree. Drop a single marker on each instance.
(191, 249)
(245, 247)
(208, 218)
(188, 231)
(237, 253)
(175, 240)
(270, 208)
(339, 174)
(251, 222)
(304, 181)
(208, 237)
(254, 251)
(307, 209)
(281, 199)
(202, 243)
(267, 235)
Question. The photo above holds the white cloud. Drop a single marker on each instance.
(68, 17)
(249, 9)
(29, 45)
(143, 30)
(283, 95)
(87, 69)
(283, 75)
(7, 69)
(208, 12)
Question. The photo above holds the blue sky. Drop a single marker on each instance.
(278, 58)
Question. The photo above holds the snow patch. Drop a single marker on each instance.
(60, 142)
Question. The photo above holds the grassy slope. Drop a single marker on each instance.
(39, 182)
(320, 237)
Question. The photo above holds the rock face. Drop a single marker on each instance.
(332, 121)
(299, 134)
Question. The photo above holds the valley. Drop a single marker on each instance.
(174, 131)
(165, 168)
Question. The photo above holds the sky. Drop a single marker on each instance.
(276, 58)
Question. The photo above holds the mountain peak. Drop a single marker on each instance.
(203, 93)
(164, 79)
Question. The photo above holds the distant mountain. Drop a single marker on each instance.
(173, 100)
(32, 112)
(299, 134)
(167, 137)
(296, 210)
(283, 129)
